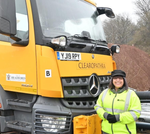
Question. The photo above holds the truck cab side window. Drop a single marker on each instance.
(21, 20)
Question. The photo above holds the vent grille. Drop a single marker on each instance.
(53, 123)
(80, 103)
(75, 87)
(76, 90)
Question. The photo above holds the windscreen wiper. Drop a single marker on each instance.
(86, 35)
(83, 35)
(101, 41)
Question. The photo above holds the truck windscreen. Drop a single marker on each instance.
(69, 17)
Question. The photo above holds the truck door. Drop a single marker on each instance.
(17, 58)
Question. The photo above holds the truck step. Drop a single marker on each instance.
(22, 103)
(18, 102)
(11, 132)
(18, 125)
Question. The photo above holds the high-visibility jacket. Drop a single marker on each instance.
(125, 104)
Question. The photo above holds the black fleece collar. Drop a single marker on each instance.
(120, 90)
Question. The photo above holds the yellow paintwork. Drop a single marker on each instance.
(103, 66)
(91, 1)
(33, 60)
(114, 65)
(46, 60)
(19, 60)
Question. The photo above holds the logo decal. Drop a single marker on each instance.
(16, 77)
(86, 65)
(94, 85)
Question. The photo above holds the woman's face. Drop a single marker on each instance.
(118, 81)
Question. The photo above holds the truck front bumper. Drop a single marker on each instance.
(51, 116)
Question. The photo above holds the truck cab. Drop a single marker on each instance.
(54, 63)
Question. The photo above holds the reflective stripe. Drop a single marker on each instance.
(138, 111)
(114, 110)
(97, 107)
(133, 115)
(127, 100)
(104, 94)
(126, 103)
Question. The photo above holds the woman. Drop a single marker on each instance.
(118, 106)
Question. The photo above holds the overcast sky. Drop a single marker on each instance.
(119, 7)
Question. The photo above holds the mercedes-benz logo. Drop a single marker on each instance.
(94, 85)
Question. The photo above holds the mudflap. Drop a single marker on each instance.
(87, 124)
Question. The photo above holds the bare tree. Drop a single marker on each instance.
(119, 30)
(143, 9)
(142, 36)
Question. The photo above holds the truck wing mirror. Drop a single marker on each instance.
(105, 10)
(7, 17)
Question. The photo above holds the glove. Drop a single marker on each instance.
(111, 118)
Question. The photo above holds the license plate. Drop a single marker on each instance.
(68, 56)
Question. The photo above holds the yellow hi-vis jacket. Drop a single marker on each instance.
(125, 104)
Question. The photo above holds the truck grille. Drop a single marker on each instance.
(54, 123)
(76, 93)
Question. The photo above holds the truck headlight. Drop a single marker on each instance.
(53, 124)
(59, 41)
(115, 49)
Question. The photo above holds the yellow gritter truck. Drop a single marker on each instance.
(54, 63)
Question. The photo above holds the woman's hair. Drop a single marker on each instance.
(111, 85)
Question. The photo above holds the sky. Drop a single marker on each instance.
(119, 7)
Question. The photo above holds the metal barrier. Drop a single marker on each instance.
(144, 96)
(143, 125)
